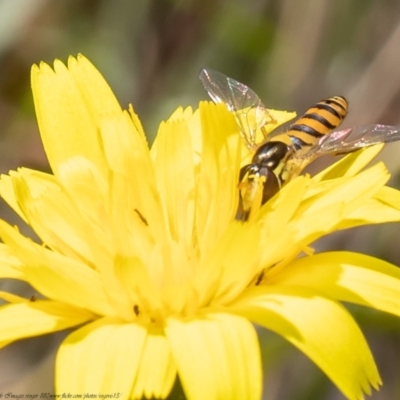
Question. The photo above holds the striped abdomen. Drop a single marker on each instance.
(319, 120)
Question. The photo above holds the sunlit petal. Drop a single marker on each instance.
(33, 318)
(157, 371)
(82, 368)
(223, 350)
(307, 320)
(351, 277)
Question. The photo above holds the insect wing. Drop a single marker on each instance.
(342, 142)
(249, 111)
(348, 140)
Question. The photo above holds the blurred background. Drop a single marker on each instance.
(292, 53)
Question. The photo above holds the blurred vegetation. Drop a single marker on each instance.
(292, 53)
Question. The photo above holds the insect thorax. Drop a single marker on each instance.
(273, 156)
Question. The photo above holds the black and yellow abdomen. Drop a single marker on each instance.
(318, 121)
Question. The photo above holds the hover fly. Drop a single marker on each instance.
(278, 158)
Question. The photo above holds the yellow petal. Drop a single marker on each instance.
(274, 218)
(313, 218)
(55, 276)
(299, 234)
(192, 119)
(231, 265)
(137, 124)
(384, 206)
(134, 286)
(349, 191)
(133, 189)
(56, 220)
(278, 211)
(173, 155)
(7, 192)
(39, 183)
(316, 210)
(350, 165)
(157, 370)
(345, 276)
(28, 319)
(102, 357)
(12, 298)
(217, 194)
(10, 265)
(319, 327)
(69, 106)
(221, 349)
(125, 147)
(95, 91)
(87, 189)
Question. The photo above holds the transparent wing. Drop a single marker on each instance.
(249, 111)
(341, 142)
(348, 140)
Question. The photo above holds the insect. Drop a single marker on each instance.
(278, 158)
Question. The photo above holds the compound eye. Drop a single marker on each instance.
(271, 185)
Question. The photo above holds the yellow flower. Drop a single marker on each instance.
(142, 254)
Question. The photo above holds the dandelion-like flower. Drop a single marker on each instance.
(141, 252)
